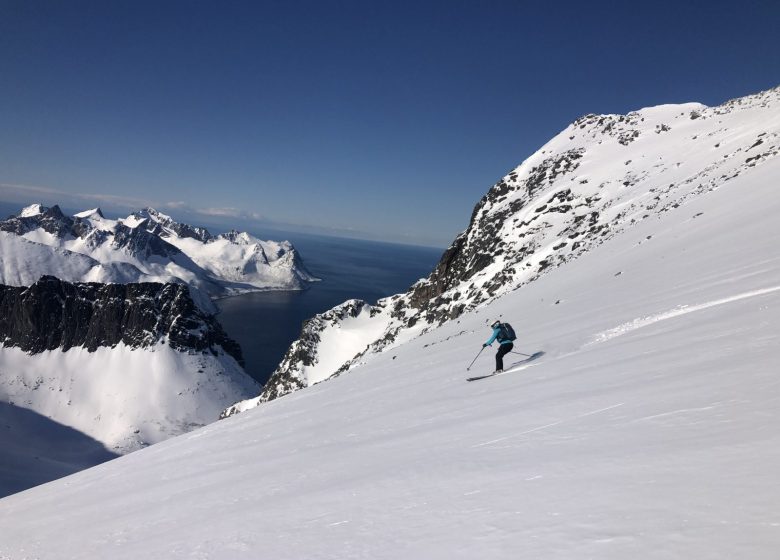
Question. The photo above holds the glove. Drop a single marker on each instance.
(484, 346)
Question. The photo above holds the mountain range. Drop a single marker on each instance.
(147, 246)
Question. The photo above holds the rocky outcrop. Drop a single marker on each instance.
(53, 314)
(289, 375)
(157, 223)
(483, 241)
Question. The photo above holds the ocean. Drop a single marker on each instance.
(266, 323)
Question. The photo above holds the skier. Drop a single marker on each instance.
(505, 336)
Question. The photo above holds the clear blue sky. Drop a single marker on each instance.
(383, 120)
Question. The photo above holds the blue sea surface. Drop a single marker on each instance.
(266, 323)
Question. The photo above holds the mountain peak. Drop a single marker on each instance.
(32, 210)
(40, 210)
(94, 213)
(155, 215)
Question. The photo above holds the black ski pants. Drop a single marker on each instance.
(503, 350)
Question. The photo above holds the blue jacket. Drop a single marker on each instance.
(497, 330)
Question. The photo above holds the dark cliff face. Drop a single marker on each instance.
(141, 243)
(53, 314)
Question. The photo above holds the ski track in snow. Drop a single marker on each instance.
(550, 425)
(641, 322)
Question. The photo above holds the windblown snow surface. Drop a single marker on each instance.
(649, 429)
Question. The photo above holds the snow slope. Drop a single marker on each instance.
(649, 429)
(124, 397)
(23, 261)
(36, 449)
(599, 178)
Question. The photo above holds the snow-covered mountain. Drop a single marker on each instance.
(600, 177)
(126, 365)
(147, 246)
(650, 427)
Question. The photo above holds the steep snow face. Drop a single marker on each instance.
(146, 246)
(95, 213)
(123, 397)
(22, 262)
(125, 364)
(650, 428)
(32, 210)
(601, 176)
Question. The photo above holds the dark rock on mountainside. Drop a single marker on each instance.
(53, 314)
(156, 222)
(476, 248)
(51, 220)
(143, 244)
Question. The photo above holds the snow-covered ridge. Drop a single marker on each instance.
(147, 246)
(598, 178)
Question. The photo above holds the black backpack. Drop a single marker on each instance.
(506, 332)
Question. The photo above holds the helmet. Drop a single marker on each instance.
(495, 323)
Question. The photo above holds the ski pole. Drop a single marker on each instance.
(529, 355)
(475, 359)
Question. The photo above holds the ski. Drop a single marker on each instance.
(481, 377)
(517, 366)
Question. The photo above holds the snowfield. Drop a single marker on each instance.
(649, 429)
(149, 393)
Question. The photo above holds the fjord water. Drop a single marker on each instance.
(266, 323)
